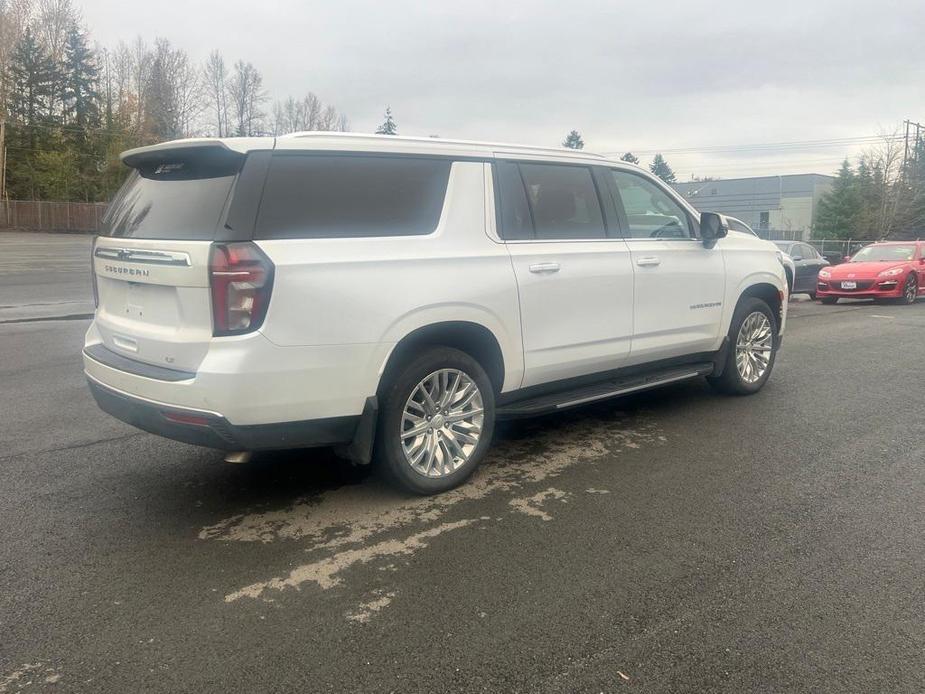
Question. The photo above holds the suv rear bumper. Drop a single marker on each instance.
(204, 428)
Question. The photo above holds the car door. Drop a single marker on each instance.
(920, 267)
(679, 284)
(805, 267)
(574, 277)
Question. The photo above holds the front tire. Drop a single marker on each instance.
(437, 420)
(910, 290)
(753, 346)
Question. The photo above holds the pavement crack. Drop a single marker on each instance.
(43, 319)
(86, 444)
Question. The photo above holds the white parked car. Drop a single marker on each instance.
(395, 296)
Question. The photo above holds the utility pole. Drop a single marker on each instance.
(914, 134)
(2, 160)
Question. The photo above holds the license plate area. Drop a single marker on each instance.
(135, 297)
(849, 285)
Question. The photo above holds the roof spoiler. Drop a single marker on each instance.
(201, 147)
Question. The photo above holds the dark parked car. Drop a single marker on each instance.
(807, 263)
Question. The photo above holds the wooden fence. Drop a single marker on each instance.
(51, 216)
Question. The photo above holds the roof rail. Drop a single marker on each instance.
(438, 141)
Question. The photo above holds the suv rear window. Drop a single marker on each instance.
(179, 197)
(336, 196)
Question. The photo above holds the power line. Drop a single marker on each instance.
(769, 146)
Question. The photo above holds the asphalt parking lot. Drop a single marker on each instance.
(670, 542)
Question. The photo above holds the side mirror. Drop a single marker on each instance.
(713, 226)
(846, 259)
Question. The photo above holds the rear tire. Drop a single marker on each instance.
(829, 300)
(753, 343)
(432, 432)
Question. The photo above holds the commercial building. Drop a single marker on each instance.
(774, 206)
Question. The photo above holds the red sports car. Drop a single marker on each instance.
(894, 270)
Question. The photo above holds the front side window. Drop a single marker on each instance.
(736, 225)
(338, 196)
(650, 212)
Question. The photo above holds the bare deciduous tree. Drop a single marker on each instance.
(215, 77)
(53, 20)
(308, 113)
(141, 61)
(175, 91)
(247, 97)
(885, 160)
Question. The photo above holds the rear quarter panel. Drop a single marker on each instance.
(378, 290)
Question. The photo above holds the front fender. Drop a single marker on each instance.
(777, 279)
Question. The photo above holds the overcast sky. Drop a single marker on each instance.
(640, 76)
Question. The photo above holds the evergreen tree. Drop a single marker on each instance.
(630, 157)
(573, 141)
(661, 169)
(81, 91)
(840, 209)
(910, 222)
(30, 75)
(83, 114)
(388, 126)
(869, 198)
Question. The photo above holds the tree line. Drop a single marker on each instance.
(881, 196)
(659, 165)
(71, 106)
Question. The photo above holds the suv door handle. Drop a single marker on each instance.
(648, 261)
(540, 268)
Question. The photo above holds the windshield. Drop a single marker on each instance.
(874, 254)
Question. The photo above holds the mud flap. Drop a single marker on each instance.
(720, 358)
(360, 450)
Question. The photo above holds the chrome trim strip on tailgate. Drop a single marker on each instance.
(140, 255)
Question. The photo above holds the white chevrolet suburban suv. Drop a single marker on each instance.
(393, 296)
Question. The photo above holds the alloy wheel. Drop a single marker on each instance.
(441, 423)
(753, 347)
(911, 289)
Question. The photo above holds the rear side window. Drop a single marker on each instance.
(549, 202)
(335, 196)
(179, 197)
(516, 222)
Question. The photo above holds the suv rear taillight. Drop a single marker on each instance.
(242, 279)
(96, 289)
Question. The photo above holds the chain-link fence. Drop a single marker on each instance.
(36, 215)
(835, 250)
